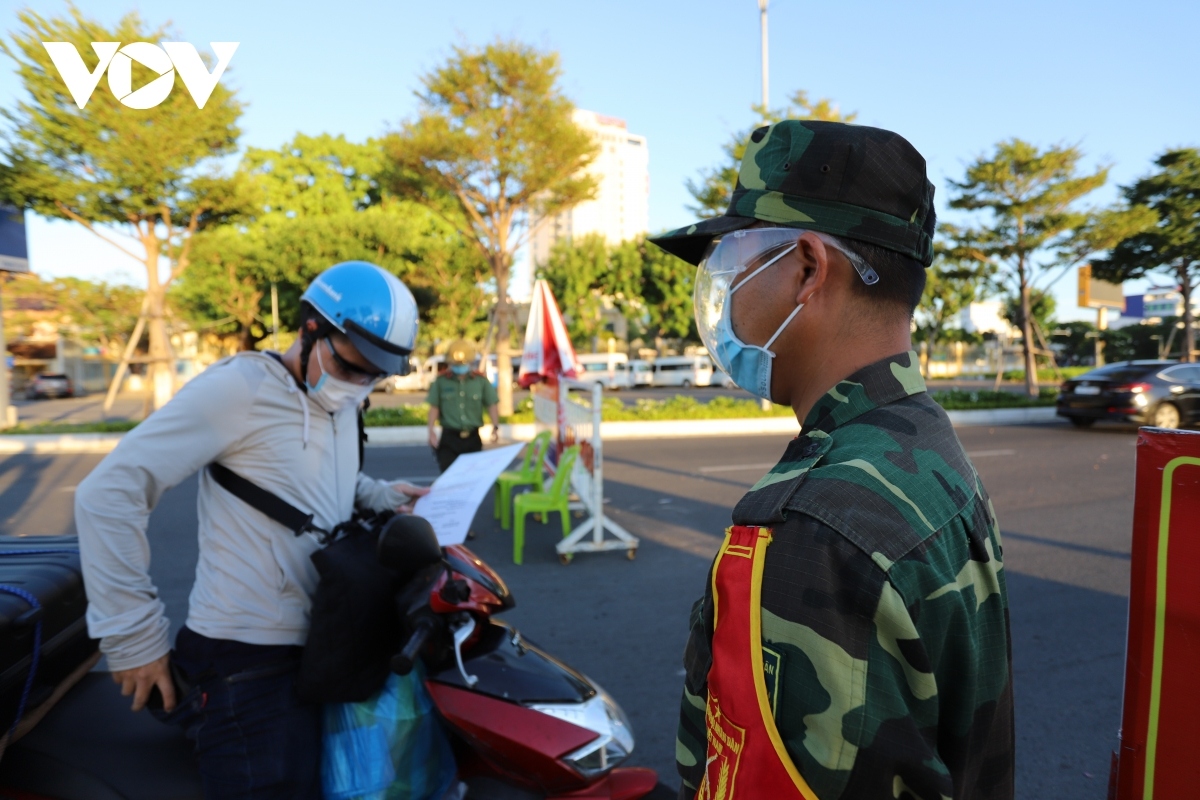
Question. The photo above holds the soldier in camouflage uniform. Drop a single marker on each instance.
(853, 640)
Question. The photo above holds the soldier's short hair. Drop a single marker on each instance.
(901, 278)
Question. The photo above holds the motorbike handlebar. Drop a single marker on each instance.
(402, 662)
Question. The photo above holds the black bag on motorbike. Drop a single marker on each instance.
(45, 569)
(354, 627)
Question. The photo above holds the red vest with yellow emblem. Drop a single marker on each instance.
(746, 759)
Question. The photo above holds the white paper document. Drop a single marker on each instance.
(455, 496)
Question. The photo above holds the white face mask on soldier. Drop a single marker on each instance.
(334, 394)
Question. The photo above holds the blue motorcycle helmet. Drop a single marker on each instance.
(372, 307)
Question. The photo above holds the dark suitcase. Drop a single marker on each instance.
(46, 567)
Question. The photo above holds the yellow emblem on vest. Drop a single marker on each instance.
(725, 743)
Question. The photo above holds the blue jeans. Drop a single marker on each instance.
(253, 736)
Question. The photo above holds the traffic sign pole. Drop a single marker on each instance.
(14, 257)
(9, 416)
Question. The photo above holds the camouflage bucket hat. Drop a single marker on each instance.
(847, 180)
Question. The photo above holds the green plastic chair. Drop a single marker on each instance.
(555, 499)
(529, 474)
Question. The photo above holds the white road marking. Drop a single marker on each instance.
(989, 453)
(735, 468)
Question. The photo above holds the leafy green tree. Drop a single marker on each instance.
(576, 271)
(309, 177)
(1162, 340)
(1075, 342)
(225, 287)
(1032, 222)
(314, 175)
(1171, 245)
(1042, 308)
(318, 202)
(715, 186)
(667, 286)
(952, 284)
(95, 311)
(639, 280)
(92, 312)
(493, 149)
(148, 174)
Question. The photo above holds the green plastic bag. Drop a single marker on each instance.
(391, 747)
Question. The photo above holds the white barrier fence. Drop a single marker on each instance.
(581, 425)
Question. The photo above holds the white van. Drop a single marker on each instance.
(683, 371)
(719, 378)
(414, 381)
(430, 369)
(610, 370)
(641, 373)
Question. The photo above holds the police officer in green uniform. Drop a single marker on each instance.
(457, 399)
(856, 618)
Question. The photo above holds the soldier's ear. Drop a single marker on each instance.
(812, 266)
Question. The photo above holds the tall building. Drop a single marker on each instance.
(621, 209)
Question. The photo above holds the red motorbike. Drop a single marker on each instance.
(524, 725)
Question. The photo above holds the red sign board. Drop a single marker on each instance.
(1160, 726)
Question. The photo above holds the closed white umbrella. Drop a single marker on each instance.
(548, 354)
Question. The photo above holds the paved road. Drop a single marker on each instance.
(89, 408)
(1064, 498)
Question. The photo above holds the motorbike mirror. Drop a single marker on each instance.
(407, 543)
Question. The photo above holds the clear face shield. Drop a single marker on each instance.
(730, 262)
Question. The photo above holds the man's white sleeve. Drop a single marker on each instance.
(113, 505)
(376, 495)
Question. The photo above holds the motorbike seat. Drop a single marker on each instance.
(91, 747)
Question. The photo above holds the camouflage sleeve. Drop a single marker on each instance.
(690, 743)
(954, 594)
(848, 676)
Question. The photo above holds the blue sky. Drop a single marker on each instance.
(1118, 79)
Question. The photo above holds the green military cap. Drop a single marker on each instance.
(848, 180)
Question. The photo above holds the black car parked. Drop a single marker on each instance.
(1165, 394)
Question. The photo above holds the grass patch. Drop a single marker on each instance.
(677, 407)
(961, 400)
(416, 414)
(108, 426)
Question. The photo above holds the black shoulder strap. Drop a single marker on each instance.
(259, 498)
(362, 431)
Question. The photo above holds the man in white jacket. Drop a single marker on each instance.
(288, 423)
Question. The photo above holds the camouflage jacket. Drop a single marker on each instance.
(883, 604)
